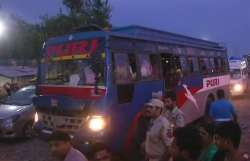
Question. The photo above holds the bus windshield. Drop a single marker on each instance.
(75, 72)
(235, 74)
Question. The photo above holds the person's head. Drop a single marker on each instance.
(211, 98)
(155, 107)
(207, 133)
(101, 152)
(187, 144)
(170, 100)
(220, 94)
(228, 136)
(146, 110)
(60, 144)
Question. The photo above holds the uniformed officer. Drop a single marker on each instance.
(173, 113)
(159, 135)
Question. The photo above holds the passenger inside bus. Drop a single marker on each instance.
(74, 73)
(74, 78)
(124, 72)
(171, 71)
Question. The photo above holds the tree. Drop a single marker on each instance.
(75, 6)
(25, 40)
(92, 11)
(98, 12)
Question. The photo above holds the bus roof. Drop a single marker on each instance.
(140, 33)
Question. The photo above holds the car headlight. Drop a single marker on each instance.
(36, 117)
(97, 123)
(8, 123)
(238, 88)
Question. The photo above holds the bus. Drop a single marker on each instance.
(238, 76)
(92, 84)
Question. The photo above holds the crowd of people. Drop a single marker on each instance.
(162, 135)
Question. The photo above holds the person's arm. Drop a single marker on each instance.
(180, 120)
(167, 137)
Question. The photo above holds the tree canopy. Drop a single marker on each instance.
(25, 39)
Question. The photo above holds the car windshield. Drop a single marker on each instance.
(74, 73)
(21, 97)
(235, 74)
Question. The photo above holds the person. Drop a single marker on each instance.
(210, 100)
(227, 138)
(74, 77)
(187, 144)
(62, 148)
(222, 110)
(173, 113)
(209, 148)
(89, 74)
(101, 152)
(7, 88)
(137, 134)
(159, 136)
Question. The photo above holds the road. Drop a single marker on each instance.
(36, 150)
(243, 108)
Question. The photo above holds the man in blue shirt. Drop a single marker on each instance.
(222, 110)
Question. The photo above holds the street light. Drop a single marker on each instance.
(2, 28)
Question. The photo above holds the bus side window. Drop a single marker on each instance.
(132, 66)
(145, 67)
(123, 71)
(190, 64)
(226, 65)
(219, 65)
(216, 64)
(156, 68)
(202, 65)
(172, 70)
(212, 64)
(185, 66)
(195, 64)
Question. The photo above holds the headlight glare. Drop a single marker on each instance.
(238, 87)
(36, 117)
(96, 123)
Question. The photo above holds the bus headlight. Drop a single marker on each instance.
(97, 123)
(238, 88)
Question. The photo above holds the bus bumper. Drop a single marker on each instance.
(81, 139)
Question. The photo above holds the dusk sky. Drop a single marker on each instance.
(225, 21)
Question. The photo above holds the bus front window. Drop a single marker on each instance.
(75, 73)
(235, 74)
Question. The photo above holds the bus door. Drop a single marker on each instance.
(124, 76)
(171, 70)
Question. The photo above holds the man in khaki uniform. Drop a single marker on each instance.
(173, 113)
(159, 135)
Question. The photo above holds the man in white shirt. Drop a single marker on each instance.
(62, 148)
(159, 135)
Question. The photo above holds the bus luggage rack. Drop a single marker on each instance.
(64, 123)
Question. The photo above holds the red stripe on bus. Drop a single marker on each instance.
(181, 98)
(75, 92)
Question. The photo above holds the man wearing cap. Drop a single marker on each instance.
(62, 148)
(159, 135)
